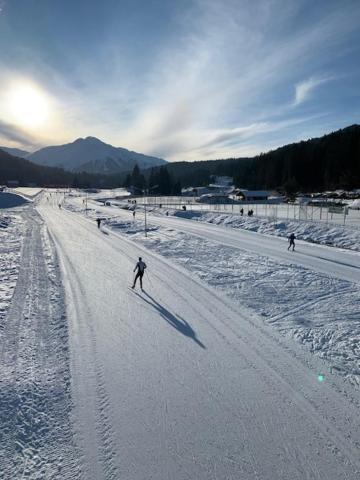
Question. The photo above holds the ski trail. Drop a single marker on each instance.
(247, 406)
(36, 432)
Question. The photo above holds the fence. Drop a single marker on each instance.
(270, 210)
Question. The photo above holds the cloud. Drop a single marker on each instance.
(214, 80)
(13, 134)
(304, 90)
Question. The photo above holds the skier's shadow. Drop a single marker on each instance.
(177, 322)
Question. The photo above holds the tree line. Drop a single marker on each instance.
(155, 181)
(325, 163)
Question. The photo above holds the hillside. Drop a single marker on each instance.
(93, 156)
(331, 161)
(25, 172)
(17, 152)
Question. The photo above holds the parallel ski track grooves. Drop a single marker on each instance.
(36, 431)
(303, 402)
(191, 227)
(105, 435)
(349, 446)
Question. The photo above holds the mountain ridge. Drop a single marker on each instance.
(92, 155)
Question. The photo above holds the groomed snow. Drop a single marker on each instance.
(315, 232)
(198, 376)
(181, 381)
(317, 310)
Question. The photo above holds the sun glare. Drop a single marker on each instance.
(27, 106)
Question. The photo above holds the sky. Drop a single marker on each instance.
(182, 80)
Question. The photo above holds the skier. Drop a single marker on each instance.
(291, 241)
(140, 267)
(98, 220)
(134, 213)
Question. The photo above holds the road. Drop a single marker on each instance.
(176, 383)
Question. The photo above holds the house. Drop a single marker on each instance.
(215, 198)
(252, 195)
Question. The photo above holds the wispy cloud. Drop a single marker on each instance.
(305, 89)
(217, 86)
(13, 134)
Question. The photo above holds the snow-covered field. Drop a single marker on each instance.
(240, 360)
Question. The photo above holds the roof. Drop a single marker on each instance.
(254, 193)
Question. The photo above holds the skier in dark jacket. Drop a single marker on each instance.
(140, 267)
(291, 241)
(98, 220)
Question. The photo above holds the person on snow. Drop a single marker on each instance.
(292, 242)
(140, 267)
(98, 220)
(134, 213)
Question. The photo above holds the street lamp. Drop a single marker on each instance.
(145, 191)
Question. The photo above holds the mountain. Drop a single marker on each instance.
(15, 151)
(93, 156)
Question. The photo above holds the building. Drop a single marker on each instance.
(252, 195)
(215, 198)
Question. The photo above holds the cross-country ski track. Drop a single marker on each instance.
(177, 382)
(336, 262)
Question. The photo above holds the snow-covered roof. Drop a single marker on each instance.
(355, 204)
(254, 193)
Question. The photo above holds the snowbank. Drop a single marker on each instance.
(10, 200)
(12, 230)
(336, 236)
(355, 204)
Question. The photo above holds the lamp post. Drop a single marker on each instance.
(145, 191)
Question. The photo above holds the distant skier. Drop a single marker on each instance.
(140, 267)
(59, 206)
(98, 220)
(291, 241)
(134, 213)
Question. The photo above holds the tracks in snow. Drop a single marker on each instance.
(35, 426)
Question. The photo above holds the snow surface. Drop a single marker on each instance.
(315, 232)
(197, 377)
(12, 230)
(11, 200)
(299, 301)
(35, 403)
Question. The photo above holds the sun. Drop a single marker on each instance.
(27, 106)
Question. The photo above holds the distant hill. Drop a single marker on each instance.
(15, 151)
(93, 156)
(328, 162)
(25, 172)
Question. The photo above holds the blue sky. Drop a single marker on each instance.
(183, 80)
